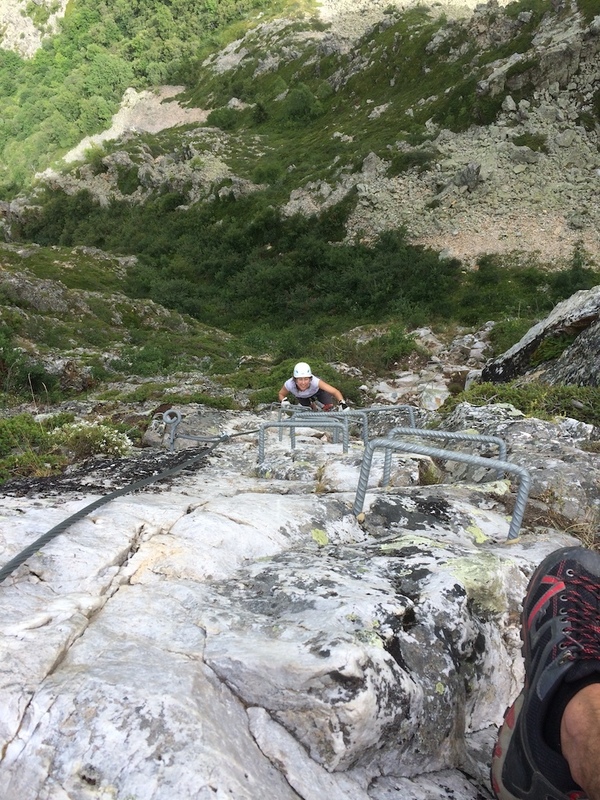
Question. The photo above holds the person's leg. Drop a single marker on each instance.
(561, 646)
(580, 739)
(326, 398)
(308, 402)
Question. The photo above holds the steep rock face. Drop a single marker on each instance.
(580, 363)
(244, 609)
(231, 633)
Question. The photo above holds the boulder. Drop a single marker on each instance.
(578, 363)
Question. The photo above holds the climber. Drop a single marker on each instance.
(548, 747)
(310, 390)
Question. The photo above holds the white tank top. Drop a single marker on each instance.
(313, 387)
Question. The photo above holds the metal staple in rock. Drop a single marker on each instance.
(351, 415)
(404, 407)
(173, 418)
(411, 447)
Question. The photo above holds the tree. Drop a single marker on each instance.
(94, 114)
(301, 105)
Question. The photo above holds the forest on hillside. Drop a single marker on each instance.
(75, 81)
(240, 264)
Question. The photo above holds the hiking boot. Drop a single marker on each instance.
(561, 648)
(327, 407)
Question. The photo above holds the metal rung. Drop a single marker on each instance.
(292, 424)
(350, 414)
(172, 418)
(404, 407)
(436, 434)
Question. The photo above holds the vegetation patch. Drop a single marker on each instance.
(512, 290)
(21, 376)
(82, 439)
(552, 347)
(128, 180)
(507, 332)
(534, 141)
(33, 448)
(535, 399)
(420, 160)
(589, 9)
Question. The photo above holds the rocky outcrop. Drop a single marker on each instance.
(23, 31)
(238, 607)
(231, 631)
(577, 364)
(564, 474)
(485, 191)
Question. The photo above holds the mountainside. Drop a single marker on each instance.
(475, 129)
(257, 195)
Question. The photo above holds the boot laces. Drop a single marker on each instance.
(581, 612)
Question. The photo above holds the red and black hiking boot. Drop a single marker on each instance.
(327, 407)
(561, 647)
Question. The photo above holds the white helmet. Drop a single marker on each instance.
(302, 370)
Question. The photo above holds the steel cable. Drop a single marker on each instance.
(21, 557)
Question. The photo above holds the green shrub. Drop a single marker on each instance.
(224, 118)
(267, 172)
(589, 9)
(143, 393)
(82, 439)
(94, 158)
(552, 347)
(534, 141)
(161, 358)
(519, 69)
(22, 377)
(461, 106)
(26, 446)
(128, 179)
(21, 433)
(29, 464)
(263, 397)
(387, 352)
(300, 104)
(596, 105)
(239, 265)
(223, 403)
(260, 111)
(508, 332)
(402, 162)
(587, 120)
(566, 282)
(496, 289)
